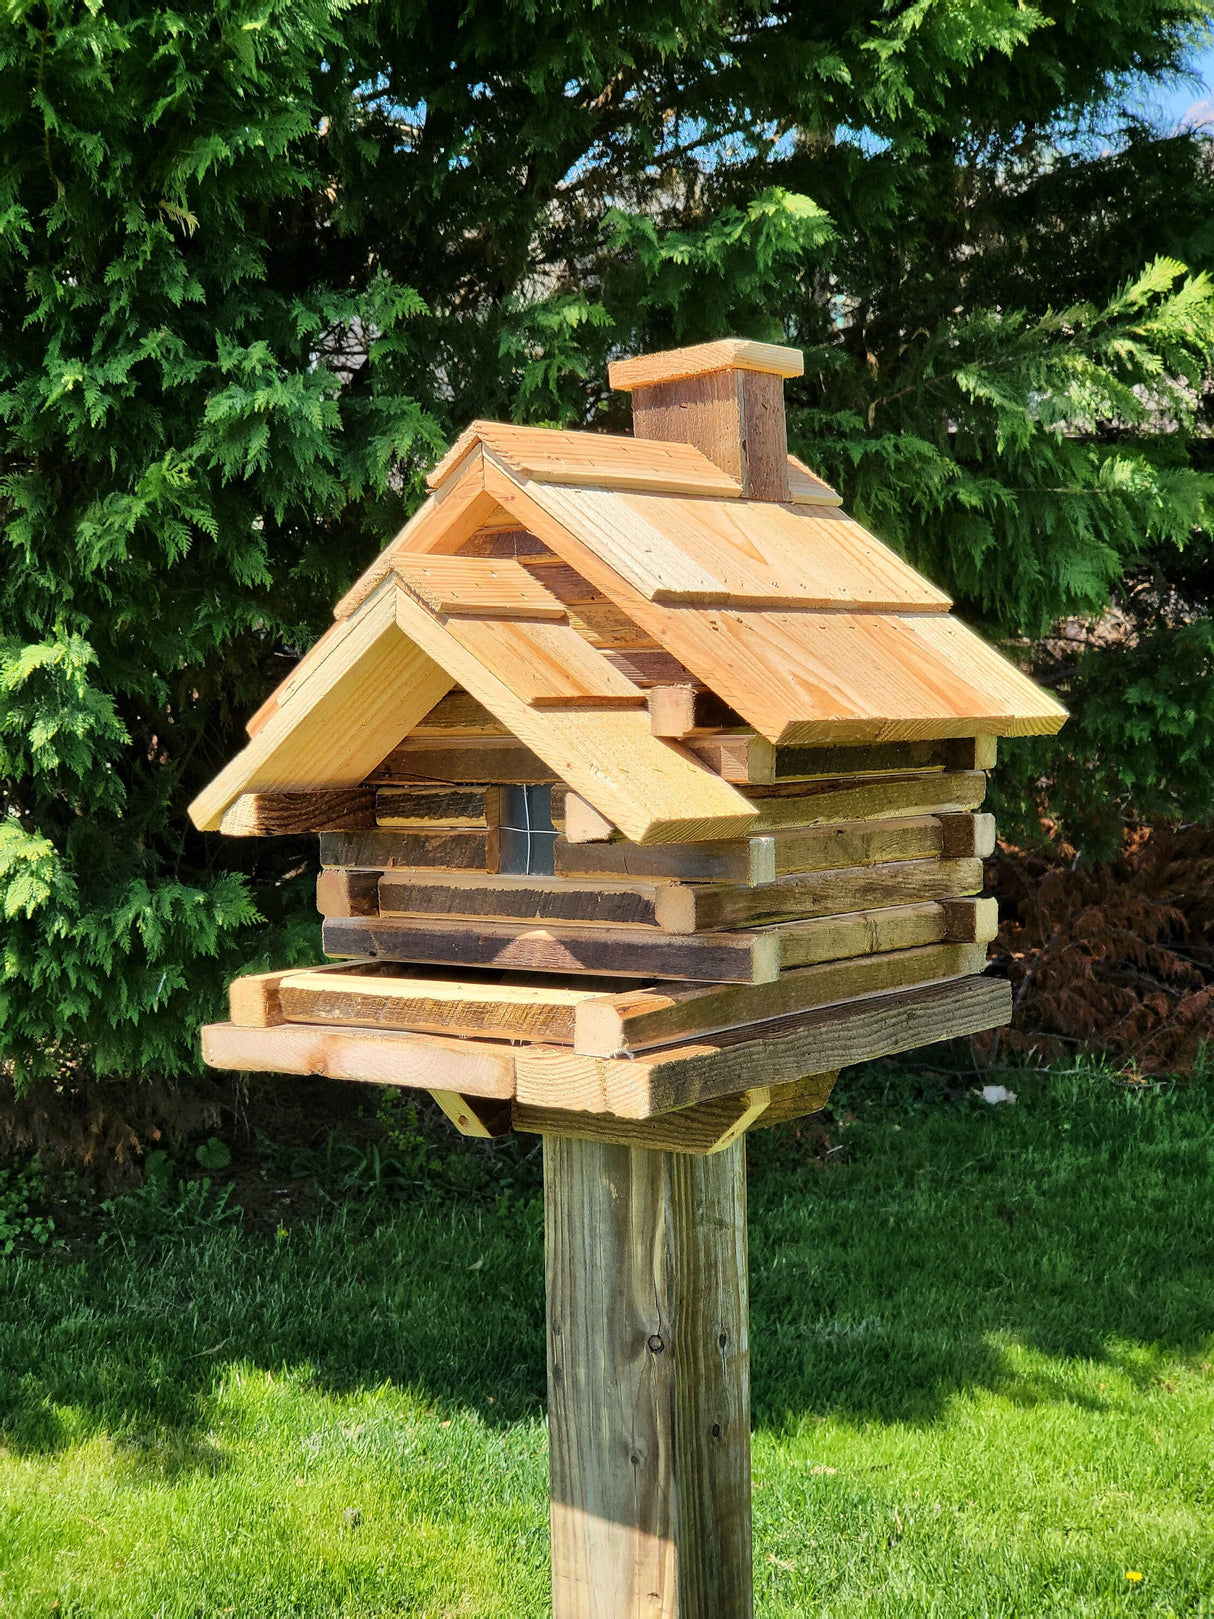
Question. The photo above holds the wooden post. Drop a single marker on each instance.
(648, 1382)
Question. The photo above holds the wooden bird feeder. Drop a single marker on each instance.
(647, 784)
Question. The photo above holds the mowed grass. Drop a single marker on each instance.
(983, 1377)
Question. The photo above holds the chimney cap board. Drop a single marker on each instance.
(729, 354)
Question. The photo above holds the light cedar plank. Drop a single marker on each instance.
(678, 711)
(692, 908)
(769, 555)
(801, 678)
(544, 665)
(478, 1116)
(425, 804)
(347, 893)
(444, 521)
(706, 1128)
(847, 801)
(564, 582)
(652, 667)
(354, 707)
(583, 823)
(254, 1000)
(782, 1051)
(738, 860)
(805, 488)
(448, 849)
(602, 625)
(494, 588)
(634, 549)
(727, 353)
(379, 1057)
(431, 1006)
(651, 790)
(522, 899)
(649, 1382)
(642, 1018)
(589, 458)
(557, 948)
(260, 815)
(466, 760)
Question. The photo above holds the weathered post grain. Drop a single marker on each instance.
(648, 1382)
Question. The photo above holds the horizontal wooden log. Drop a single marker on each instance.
(782, 1051)
(803, 804)
(896, 927)
(522, 899)
(703, 1128)
(383, 850)
(616, 952)
(464, 759)
(615, 1025)
(431, 1005)
(255, 1001)
(458, 714)
(426, 804)
(858, 843)
(264, 815)
(744, 757)
(417, 1061)
(694, 908)
(739, 860)
(340, 892)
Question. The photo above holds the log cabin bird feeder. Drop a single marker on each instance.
(647, 783)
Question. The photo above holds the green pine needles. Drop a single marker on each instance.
(260, 262)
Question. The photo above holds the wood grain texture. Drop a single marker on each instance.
(347, 893)
(481, 586)
(747, 758)
(583, 823)
(693, 908)
(463, 760)
(449, 849)
(707, 1128)
(968, 835)
(521, 899)
(264, 815)
(355, 705)
(430, 1005)
(804, 804)
(648, 1381)
(781, 1051)
(678, 711)
(699, 359)
(805, 488)
(378, 1057)
(422, 804)
(894, 927)
(653, 791)
(588, 458)
(542, 665)
(613, 1026)
(725, 860)
(557, 948)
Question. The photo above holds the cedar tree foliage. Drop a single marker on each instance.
(261, 259)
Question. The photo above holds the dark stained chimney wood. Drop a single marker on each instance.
(726, 398)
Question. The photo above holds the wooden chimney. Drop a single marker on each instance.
(726, 398)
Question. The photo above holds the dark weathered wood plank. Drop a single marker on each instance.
(425, 804)
(523, 899)
(383, 850)
(265, 815)
(558, 948)
(648, 1381)
(690, 908)
(340, 892)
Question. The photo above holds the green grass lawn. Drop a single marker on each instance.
(983, 1379)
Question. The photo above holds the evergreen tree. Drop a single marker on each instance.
(258, 263)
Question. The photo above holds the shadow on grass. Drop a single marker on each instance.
(954, 1246)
